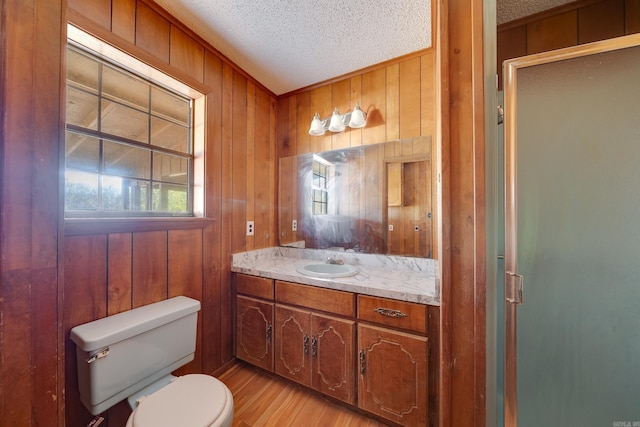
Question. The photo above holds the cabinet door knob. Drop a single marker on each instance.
(389, 312)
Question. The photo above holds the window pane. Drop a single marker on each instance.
(170, 198)
(122, 194)
(317, 208)
(82, 108)
(82, 152)
(80, 191)
(123, 121)
(124, 133)
(169, 135)
(167, 104)
(169, 168)
(82, 71)
(126, 161)
(125, 88)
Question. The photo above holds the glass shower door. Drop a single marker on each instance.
(572, 236)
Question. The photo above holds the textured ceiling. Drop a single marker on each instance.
(289, 44)
(508, 10)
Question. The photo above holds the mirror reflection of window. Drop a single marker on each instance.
(320, 194)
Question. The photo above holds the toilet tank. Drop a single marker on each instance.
(121, 354)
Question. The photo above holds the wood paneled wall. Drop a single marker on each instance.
(109, 273)
(30, 96)
(580, 22)
(463, 255)
(58, 274)
(398, 97)
(178, 259)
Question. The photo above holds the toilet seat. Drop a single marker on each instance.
(190, 400)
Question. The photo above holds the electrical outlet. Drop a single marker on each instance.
(294, 225)
(250, 229)
(390, 227)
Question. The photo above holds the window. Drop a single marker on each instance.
(319, 186)
(129, 148)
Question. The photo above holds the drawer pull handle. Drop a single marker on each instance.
(389, 312)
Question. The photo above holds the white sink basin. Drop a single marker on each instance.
(327, 270)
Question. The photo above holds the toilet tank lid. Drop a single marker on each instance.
(109, 330)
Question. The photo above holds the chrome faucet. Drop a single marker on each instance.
(335, 260)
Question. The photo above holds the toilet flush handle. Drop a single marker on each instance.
(99, 355)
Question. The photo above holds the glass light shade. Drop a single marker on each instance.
(336, 124)
(358, 118)
(317, 127)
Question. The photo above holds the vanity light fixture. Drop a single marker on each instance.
(338, 122)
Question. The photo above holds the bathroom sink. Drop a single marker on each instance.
(327, 270)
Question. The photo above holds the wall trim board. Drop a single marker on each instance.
(88, 226)
(365, 70)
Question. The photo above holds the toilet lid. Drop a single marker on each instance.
(189, 400)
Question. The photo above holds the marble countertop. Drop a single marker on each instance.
(401, 278)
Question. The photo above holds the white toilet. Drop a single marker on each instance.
(131, 356)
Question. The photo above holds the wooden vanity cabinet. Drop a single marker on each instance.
(313, 348)
(316, 350)
(369, 352)
(254, 320)
(393, 364)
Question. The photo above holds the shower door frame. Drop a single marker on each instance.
(512, 280)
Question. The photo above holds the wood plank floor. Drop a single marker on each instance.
(264, 400)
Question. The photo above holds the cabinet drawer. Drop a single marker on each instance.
(254, 286)
(398, 314)
(337, 302)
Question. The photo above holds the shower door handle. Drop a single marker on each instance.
(517, 288)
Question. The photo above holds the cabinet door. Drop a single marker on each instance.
(293, 344)
(254, 320)
(393, 375)
(332, 357)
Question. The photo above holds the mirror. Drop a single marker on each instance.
(373, 199)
